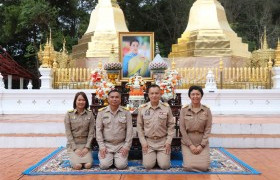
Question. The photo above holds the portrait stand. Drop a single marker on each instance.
(175, 105)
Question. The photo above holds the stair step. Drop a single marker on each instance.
(238, 131)
(216, 140)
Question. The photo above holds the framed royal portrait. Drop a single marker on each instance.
(136, 51)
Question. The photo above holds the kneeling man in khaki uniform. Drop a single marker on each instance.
(114, 133)
(155, 127)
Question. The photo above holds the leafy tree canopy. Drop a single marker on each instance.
(24, 24)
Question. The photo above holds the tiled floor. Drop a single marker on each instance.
(14, 161)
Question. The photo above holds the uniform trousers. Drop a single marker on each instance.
(117, 158)
(156, 153)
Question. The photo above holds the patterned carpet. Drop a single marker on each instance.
(222, 162)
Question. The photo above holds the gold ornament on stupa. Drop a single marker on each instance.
(261, 57)
(277, 55)
(46, 57)
(49, 58)
(113, 67)
(107, 20)
(64, 60)
(208, 34)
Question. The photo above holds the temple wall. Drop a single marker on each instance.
(233, 101)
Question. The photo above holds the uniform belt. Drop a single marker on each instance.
(155, 137)
(195, 132)
(81, 137)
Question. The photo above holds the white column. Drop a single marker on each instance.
(2, 85)
(46, 78)
(21, 83)
(10, 81)
(276, 77)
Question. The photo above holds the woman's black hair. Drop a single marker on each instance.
(84, 96)
(198, 88)
(134, 40)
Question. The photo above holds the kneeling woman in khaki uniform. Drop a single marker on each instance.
(195, 127)
(79, 128)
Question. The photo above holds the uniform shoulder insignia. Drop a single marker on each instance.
(71, 110)
(101, 109)
(89, 109)
(143, 105)
(185, 106)
(205, 106)
(166, 104)
(126, 108)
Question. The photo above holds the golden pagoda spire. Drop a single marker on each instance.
(46, 57)
(63, 56)
(173, 64)
(112, 57)
(265, 45)
(50, 36)
(40, 54)
(64, 46)
(277, 54)
(40, 48)
(100, 65)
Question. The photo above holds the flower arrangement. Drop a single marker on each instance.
(168, 84)
(97, 75)
(103, 89)
(101, 83)
(136, 84)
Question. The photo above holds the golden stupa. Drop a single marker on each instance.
(107, 20)
(261, 56)
(208, 34)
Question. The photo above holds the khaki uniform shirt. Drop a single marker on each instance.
(200, 122)
(155, 122)
(79, 128)
(114, 131)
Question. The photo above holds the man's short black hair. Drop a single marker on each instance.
(114, 90)
(198, 88)
(153, 86)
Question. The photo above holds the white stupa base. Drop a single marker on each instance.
(276, 77)
(46, 78)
